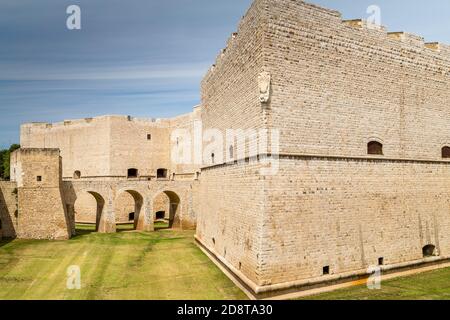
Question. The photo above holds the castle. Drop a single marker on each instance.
(360, 159)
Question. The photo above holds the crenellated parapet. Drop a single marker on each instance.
(403, 38)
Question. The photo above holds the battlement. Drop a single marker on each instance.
(92, 121)
(403, 38)
(364, 24)
(38, 151)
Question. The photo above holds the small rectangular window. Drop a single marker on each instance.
(149, 136)
(380, 261)
(161, 173)
(39, 178)
(326, 270)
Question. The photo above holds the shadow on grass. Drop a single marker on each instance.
(5, 241)
(161, 225)
(125, 227)
(83, 230)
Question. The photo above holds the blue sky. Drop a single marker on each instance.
(138, 57)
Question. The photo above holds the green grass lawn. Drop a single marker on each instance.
(432, 285)
(164, 264)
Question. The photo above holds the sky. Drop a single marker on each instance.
(143, 58)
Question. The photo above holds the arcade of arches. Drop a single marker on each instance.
(127, 207)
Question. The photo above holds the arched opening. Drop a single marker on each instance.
(375, 148)
(132, 173)
(128, 206)
(161, 173)
(160, 215)
(429, 251)
(77, 174)
(88, 210)
(446, 152)
(166, 208)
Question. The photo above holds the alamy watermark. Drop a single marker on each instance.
(73, 278)
(212, 146)
(374, 19)
(374, 280)
(73, 22)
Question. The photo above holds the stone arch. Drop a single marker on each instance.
(429, 250)
(445, 152)
(100, 206)
(77, 174)
(375, 148)
(89, 217)
(175, 206)
(159, 215)
(138, 205)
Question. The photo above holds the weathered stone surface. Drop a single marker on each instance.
(329, 87)
(42, 212)
(335, 86)
(8, 209)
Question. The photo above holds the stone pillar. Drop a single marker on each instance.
(146, 221)
(108, 217)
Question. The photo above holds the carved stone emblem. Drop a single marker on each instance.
(264, 86)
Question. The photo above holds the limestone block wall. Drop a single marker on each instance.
(108, 194)
(84, 144)
(346, 214)
(161, 203)
(8, 209)
(183, 127)
(42, 213)
(131, 146)
(85, 208)
(337, 85)
(229, 91)
(106, 147)
(125, 204)
(230, 223)
(334, 87)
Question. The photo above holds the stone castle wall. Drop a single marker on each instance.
(106, 147)
(42, 213)
(330, 87)
(83, 143)
(130, 147)
(86, 208)
(162, 204)
(229, 91)
(335, 86)
(230, 220)
(8, 209)
(149, 196)
(348, 213)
